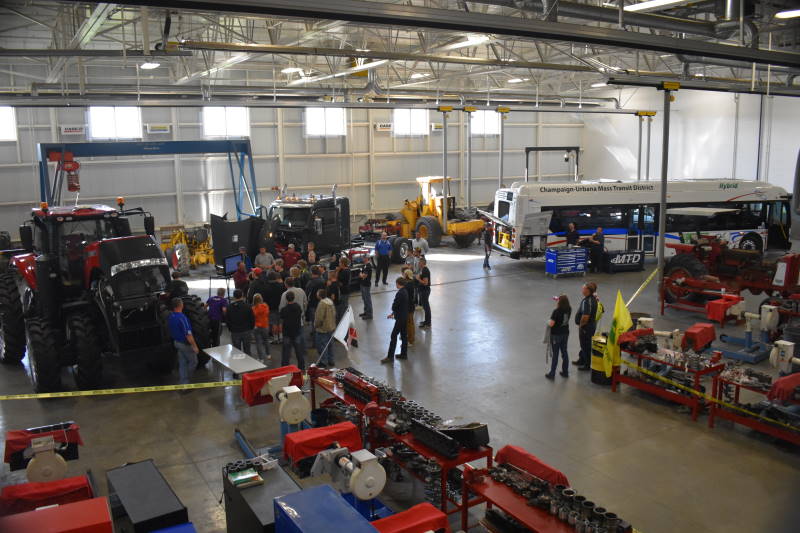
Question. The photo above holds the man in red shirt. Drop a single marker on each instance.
(240, 279)
(290, 257)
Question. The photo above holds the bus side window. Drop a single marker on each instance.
(555, 222)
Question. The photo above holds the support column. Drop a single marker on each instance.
(639, 153)
(647, 167)
(668, 88)
(444, 109)
(469, 110)
(503, 111)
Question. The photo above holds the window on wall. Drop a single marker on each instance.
(410, 122)
(485, 122)
(8, 124)
(325, 122)
(226, 122)
(115, 123)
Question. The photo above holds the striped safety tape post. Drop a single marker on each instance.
(127, 390)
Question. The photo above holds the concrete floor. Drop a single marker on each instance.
(482, 360)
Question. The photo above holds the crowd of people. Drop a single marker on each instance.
(289, 299)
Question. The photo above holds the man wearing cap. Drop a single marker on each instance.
(248, 263)
(290, 257)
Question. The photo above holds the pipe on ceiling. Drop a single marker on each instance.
(689, 60)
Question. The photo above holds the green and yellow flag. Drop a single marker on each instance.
(620, 323)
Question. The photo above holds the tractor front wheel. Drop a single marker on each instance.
(88, 353)
(428, 228)
(43, 355)
(12, 325)
(198, 318)
(401, 248)
(679, 267)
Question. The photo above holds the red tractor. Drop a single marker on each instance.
(708, 267)
(83, 285)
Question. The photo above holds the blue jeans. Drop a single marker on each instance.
(323, 342)
(299, 346)
(262, 342)
(241, 340)
(558, 343)
(366, 297)
(187, 361)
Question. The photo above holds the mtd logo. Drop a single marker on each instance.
(633, 258)
(728, 186)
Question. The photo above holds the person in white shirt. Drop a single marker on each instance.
(419, 242)
(300, 297)
(264, 259)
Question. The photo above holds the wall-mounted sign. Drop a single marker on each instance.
(436, 126)
(159, 128)
(383, 126)
(73, 130)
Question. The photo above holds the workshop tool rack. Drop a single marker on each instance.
(718, 410)
(447, 504)
(515, 505)
(565, 261)
(692, 401)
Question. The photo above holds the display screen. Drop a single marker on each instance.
(231, 263)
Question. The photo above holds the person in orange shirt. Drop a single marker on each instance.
(261, 331)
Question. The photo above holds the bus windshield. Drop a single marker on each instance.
(290, 216)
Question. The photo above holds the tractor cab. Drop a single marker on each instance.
(325, 220)
(431, 199)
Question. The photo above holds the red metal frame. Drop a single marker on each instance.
(692, 401)
(720, 411)
(447, 505)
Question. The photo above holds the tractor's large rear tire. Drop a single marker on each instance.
(163, 359)
(43, 355)
(401, 248)
(464, 240)
(198, 317)
(429, 229)
(684, 265)
(12, 325)
(183, 259)
(88, 351)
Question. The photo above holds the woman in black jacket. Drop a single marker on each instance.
(559, 335)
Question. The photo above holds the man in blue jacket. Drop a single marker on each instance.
(400, 310)
(181, 331)
(383, 250)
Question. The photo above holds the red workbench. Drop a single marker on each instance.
(86, 516)
(329, 385)
(694, 402)
(720, 411)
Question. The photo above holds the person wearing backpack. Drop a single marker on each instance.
(586, 318)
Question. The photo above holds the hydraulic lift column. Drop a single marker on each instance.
(502, 111)
(444, 109)
(469, 110)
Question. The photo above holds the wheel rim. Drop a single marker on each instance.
(422, 232)
(403, 250)
(748, 244)
(671, 283)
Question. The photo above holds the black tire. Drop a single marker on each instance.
(752, 241)
(429, 229)
(163, 359)
(183, 259)
(401, 248)
(12, 325)
(43, 355)
(85, 343)
(198, 317)
(684, 264)
(5, 240)
(463, 241)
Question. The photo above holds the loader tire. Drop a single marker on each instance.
(88, 352)
(43, 355)
(401, 248)
(12, 325)
(429, 229)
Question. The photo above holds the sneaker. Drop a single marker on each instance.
(401, 356)
(550, 376)
(577, 362)
(424, 325)
(366, 317)
(387, 360)
(584, 368)
(385, 283)
(563, 374)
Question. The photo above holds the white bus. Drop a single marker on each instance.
(530, 217)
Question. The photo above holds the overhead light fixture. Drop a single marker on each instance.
(472, 40)
(790, 14)
(518, 80)
(599, 84)
(655, 5)
(149, 65)
(291, 70)
(418, 75)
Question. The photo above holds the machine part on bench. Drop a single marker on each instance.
(359, 473)
(46, 465)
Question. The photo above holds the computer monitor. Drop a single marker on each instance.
(231, 263)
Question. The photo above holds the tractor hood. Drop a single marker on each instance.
(126, 253)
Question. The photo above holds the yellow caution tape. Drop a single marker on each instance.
(708, 398)
(641, 287)
(127, 390)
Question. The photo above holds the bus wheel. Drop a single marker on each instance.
(751, 241)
